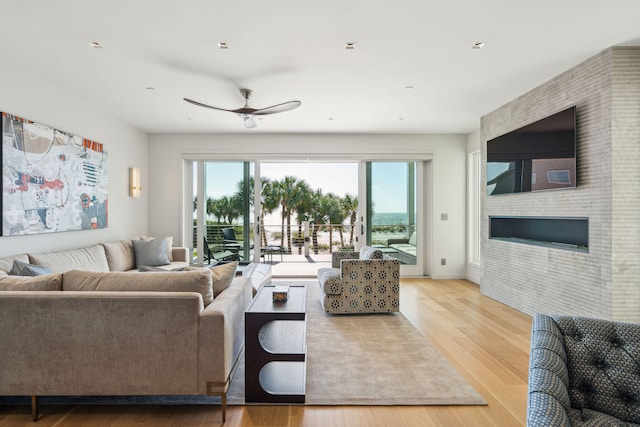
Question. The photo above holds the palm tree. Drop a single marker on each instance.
(286, 188)
(350, 206)
(318, 216)
(301, 205)
(234, 208)
(217, 209)
(270, 200)
(335, 215)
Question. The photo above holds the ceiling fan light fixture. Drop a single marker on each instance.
(249, 122)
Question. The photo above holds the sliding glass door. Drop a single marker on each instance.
(222, 227)
(393, 221)
(300, 209)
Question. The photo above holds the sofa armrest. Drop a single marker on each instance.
(548, 401)
(180, 254)
(330, 281)
(221, 335)
(336, 257)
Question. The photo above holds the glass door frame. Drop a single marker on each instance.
(424, 202)
(187, 220)
(424, 190)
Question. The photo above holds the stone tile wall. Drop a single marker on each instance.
(605, 281)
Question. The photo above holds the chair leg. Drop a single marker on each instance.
(34, 408)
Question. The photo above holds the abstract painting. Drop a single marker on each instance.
(51, 180)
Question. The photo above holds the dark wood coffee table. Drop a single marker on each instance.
(275, 347)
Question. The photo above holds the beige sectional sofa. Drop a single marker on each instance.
(92, 327)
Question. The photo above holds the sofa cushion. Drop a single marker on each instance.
(368, 252)
(151, 252)
(222, 275)
(174, 266)
(25, 269)
(169, 240)
(47, 282)
(120, 255)
(7, 262)
(602, 361)
(120, 281)
(91, 258)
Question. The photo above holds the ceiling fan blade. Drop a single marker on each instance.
(249, 122)
(278, 108)
(200, 104)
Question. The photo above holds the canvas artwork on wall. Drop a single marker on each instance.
(51, 180)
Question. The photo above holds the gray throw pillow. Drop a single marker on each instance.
(20, 268)
(150, 252)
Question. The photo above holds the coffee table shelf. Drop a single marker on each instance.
(275, 348)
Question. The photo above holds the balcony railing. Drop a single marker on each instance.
(324, 238)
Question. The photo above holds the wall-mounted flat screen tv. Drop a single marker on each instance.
(539, 156)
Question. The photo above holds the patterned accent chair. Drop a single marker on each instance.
(360, 282)
(583, 372)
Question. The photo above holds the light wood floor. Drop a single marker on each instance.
(486, 341)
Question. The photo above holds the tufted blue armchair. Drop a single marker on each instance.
(583, 372)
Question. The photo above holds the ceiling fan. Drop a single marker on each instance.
(247, 113)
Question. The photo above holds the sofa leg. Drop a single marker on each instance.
(34, 408)
(224, 407)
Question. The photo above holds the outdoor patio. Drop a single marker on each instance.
(297, 265)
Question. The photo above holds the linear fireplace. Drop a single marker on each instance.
(556, 232)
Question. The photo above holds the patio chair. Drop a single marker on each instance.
(218, 257)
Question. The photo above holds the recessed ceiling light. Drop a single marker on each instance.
(151, 88)
(95, 45)
(330, 118)
(408, 87)
(401, 118)
(350, 46)
(478, 45)
(223, 45)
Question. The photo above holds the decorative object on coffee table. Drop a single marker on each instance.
(280, 293)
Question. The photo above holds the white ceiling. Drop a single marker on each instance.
(295, 49)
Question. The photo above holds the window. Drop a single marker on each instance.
(473, 214)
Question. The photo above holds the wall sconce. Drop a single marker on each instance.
(134, 182)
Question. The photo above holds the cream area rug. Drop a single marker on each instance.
(377, 359)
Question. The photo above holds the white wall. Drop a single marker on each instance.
(448, 166)
(31, 97)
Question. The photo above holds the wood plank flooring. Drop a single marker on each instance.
(486, 341)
